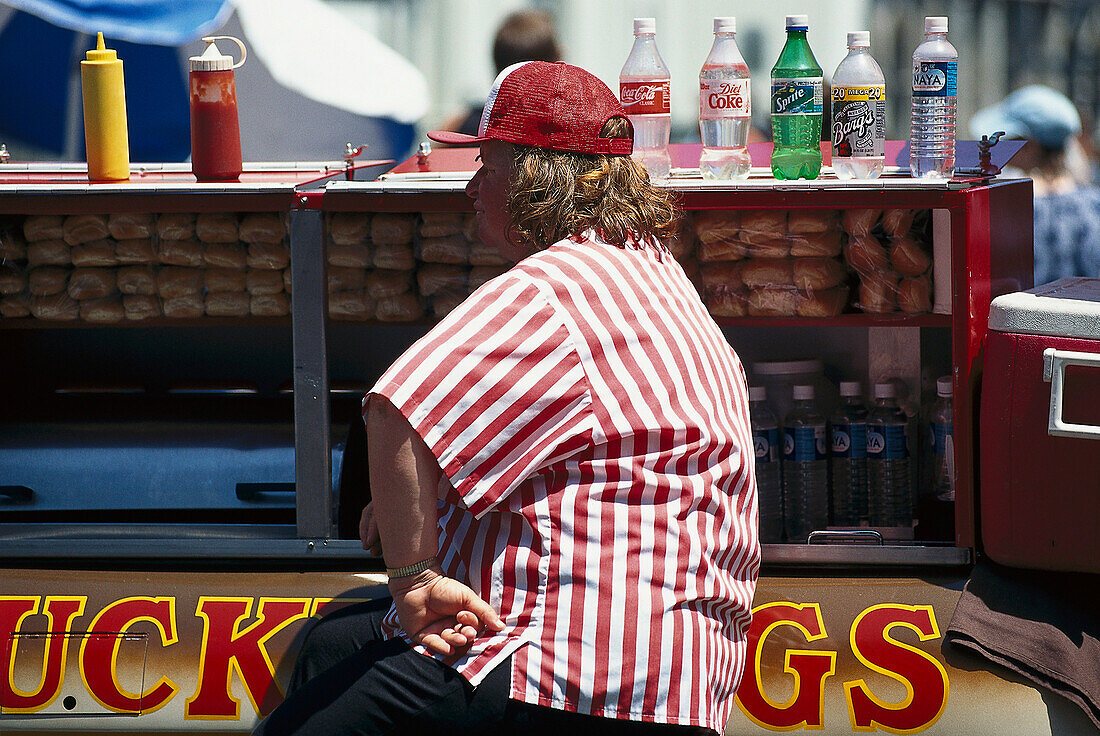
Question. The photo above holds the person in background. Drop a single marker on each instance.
(1067, 201)
(525, 35)
(562, 468)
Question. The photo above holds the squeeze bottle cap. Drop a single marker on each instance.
(802, 393)
(101, 52)
(726, 24)
(943, 386)
(798, 22)
(757, 393)
(884, 391)
(935, 24)
(860, 38)
(645, 25)
(850, 388)
(213, 60)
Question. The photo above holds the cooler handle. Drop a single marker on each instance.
(1054, 372)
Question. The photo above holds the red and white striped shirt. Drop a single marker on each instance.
(593, 423)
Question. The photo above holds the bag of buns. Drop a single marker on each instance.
(217, 227)
(262, 227)
(351, 305)
(12, 280)
(349, 228)
(440, 224)
(226, 304)
(176, 226)
(180, 253)
(451, 249)
(49, 253)
(95, 253)
(137, 280)
(401, 308)
(92, 283)
(13, 246)
(445, 302)
(47, 280)
(342, 278)
(43, 227)
(270, 256)
(105, 309)
(140, 306)
(15, 306)
(135, 252)
(225, 255)
(55, 307)
(129, 225)
(382, 282)
(388, 228)
(269, 305)
(187, 306)
(83, 228)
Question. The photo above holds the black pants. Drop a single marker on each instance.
(347, 680)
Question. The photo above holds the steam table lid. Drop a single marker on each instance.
(1068, 307)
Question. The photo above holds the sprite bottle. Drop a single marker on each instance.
(797, 97)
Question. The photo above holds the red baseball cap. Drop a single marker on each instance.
(547, 105)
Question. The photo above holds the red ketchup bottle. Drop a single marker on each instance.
(215, 129)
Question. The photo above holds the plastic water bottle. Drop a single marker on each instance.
(725, 113)
(848, 457)
(765, 442)
(889, 488)
(644, 90)
(936, 509)
(797, 99)
(858, 112)
(935, 74)
(805, 467)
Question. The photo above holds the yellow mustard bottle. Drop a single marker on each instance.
(105, 135)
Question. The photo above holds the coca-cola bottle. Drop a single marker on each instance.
(643, 90)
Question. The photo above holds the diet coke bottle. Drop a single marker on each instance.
(643, 90)
(724, 111)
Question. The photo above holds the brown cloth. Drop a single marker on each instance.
(1042, 625)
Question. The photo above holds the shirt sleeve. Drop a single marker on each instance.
(496, 390)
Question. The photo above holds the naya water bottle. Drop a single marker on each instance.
(889, 487)
(937, 497)
(215, 127)
(765, 442)
(848, 457)
(858, 112)
(932, 132)
(644, 90)
(805, 467)
(797, 99)
(724, 107)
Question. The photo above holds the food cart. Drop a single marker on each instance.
(179, 491)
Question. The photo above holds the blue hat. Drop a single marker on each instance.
(1036, 112)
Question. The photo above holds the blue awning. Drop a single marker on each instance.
(159, 22)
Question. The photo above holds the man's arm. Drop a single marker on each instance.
(436, 611)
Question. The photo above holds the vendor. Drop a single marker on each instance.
(562, 468)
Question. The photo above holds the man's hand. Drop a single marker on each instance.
(441, 613)
(368, 531)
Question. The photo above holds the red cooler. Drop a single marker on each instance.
(1040, 428)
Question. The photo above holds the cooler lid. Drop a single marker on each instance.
(1067, 307)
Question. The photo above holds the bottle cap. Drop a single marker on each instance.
(757, 393)
(884, 391)
(101, 52)
(212, 59)
(935, 24)
(726, 24)
(798, 22)
(861, 39)
(645, 25)
(943, 386)
(850, 388)
(802, 393)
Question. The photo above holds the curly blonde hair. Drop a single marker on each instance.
(557, 194)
